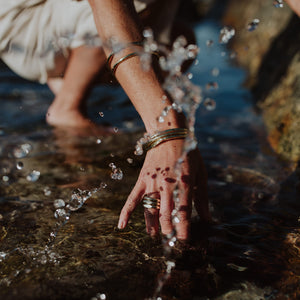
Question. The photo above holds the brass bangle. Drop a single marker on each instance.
(114, 68)
(164, 136)
(111, 56)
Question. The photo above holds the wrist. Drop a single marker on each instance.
(172, 120)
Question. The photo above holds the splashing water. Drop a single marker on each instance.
(64, 209)
(33, 176)
(116, 173)
(226, 34)
(210, 104)
(22, 150)
(278, 3)
(186, 98)
(253, 25)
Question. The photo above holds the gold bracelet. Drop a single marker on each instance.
(111, 56)
(114, 68)
(164, 136)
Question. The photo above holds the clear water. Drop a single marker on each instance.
(250, 252)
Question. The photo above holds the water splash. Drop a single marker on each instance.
(253, 25)
(22, 150)
(278, 3)
(186, 98)
(116, 173)
(210, 104)
(226, 34)
(63, 209)
(99, 296)
(33, 176)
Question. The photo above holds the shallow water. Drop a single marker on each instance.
(250, 252)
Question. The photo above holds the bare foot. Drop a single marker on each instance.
(75, 123)
(66, 118)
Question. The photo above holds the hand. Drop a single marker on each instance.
(157, 179)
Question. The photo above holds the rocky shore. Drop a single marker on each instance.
(271, 54)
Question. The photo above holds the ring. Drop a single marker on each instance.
(149, 202)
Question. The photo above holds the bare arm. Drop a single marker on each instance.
(118, 19)
(115, 18)
(294, 5)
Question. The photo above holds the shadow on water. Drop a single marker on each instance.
(251, 251)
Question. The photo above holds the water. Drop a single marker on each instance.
(251, 250)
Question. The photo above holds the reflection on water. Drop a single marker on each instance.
(250, 252)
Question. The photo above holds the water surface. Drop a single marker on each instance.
(251, 251)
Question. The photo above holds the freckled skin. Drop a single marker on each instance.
(148, 173)
(169, 123)
(167, 169)
(157, 169)
(161, 188)
(153, 176)
(170, 180)
(185, 179)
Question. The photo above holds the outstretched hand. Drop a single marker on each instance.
(157, 179)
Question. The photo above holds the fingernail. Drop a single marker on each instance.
(121, 224)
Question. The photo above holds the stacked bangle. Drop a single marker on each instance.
(114, 68)
(164, 136)
(111, 56)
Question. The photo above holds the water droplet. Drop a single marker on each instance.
(226, 33)
(209, 104)
(260, 195)
(196, 62)
(98, 141)
(190, 76)
(212, 85)
(59, 203)
(176, 220)
(161, 119)
(116, 173)
(232, 55)
(19, 165)
(101, 296)
(33, 176)
(5, 178)
(209, 43)
(215, 72)
(101, 114)
(148, 33)
(22, 151)
(103, 185)
(47, 191)
(253, 25)
(60, 214)
(278, 3)
(229, 178)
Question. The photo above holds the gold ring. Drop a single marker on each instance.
(149, 202)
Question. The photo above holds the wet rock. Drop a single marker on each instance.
(272, 56)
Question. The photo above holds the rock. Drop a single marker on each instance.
(271, 54)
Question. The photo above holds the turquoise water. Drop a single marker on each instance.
(251, 251)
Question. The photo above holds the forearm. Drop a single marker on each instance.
(118, 19)
(295, 5)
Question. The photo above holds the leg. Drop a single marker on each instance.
(82, 69)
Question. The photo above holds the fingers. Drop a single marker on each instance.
(166, 208)
(152, 223)
(183, 216)
(132, 201)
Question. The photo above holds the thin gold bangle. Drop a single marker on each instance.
(114, 68)
(164, 136)
(110, 57)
